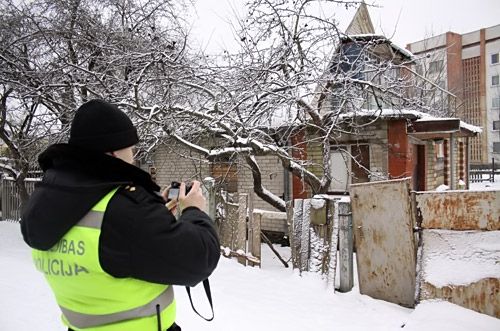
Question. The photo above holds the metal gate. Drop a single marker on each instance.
(383, 222)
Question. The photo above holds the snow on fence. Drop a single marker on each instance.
(313, 227)
(11, 202)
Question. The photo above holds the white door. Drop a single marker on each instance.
(339, 161)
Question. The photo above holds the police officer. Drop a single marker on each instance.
(101, 234)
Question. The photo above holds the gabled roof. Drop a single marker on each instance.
(361, 22)
(376, 40)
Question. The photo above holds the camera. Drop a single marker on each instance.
(173, 192)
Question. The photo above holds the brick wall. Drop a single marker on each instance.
(272, 179)
(378, 160)
(177, 163)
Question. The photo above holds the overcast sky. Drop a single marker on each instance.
(404, 20)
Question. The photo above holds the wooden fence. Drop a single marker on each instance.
(239, 229)
(314, 237)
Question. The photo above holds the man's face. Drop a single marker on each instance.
(125, 154)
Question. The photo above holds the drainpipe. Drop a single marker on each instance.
(467, 140)
(452, 161)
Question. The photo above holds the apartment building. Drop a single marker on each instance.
(468, 65)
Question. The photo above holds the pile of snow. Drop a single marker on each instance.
(442, 315)
(245, 298)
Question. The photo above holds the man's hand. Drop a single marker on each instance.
(172, 204)
(194, 198)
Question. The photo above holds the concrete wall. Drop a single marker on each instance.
(427, 44)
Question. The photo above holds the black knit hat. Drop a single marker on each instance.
(102, 127)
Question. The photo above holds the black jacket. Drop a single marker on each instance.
(140, 238)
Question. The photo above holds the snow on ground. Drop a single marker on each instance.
(486, 185)
(437, 315)
(271, 298)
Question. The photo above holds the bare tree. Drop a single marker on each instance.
(56, 54)
(296, 74)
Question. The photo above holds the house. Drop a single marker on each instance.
(401, 143)
(384, 136)
(389, 135)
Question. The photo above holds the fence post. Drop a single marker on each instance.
(492, 170)
(253, 232)
(345, 246)
(209, 184)
(241, 227)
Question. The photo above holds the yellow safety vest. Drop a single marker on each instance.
(89, 298)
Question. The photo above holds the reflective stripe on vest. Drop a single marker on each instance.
(86, 321)
(91, 299)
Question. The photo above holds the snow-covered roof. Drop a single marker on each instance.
(379, 38)
(407, 113)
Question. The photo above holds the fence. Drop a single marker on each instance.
(11, 202)
(484, 173)
(318, 227)
(427, 245)
(239, 229)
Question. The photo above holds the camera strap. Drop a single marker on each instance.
(206, 285)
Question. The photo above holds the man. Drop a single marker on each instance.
(109, 247)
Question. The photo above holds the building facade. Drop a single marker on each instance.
(468, 65)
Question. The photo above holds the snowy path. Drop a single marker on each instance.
(273, 298)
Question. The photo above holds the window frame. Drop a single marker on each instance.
(497, 56)
(497, 105)
(497, 127)
(495, 80)
(435, 66)
(496, 144)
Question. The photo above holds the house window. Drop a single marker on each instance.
(496, 125)
(496, 102)
(494, 80)
(435, 66)
(496, 147)
(494, 58)
(439, 149)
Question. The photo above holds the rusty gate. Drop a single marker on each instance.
(383, 223)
